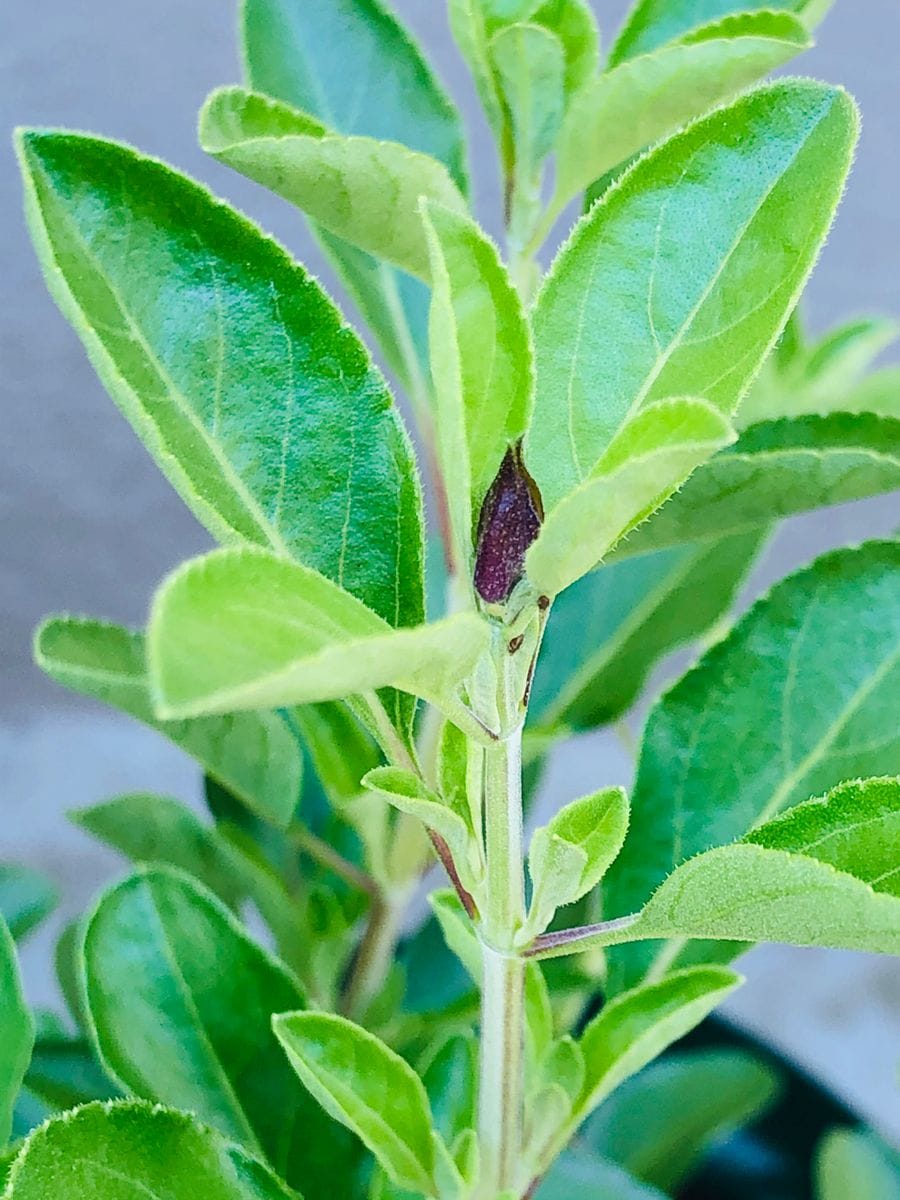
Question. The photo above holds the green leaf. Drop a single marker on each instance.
(578, 1174)
(409, 794)
(570, 855)
(648, 458)
(661, 1121)
(159, 830)
(608, 631)
(26, 898)
(339, 749)
(481, 365)
(458, 930)
(647, 98)
(823, 377)
(16, 1031)
(255, 755)
(854, 1163)
(855, 828)
(69, 972)
(575, 25)
(181, 1003)
(530, 69)
(778, 469)
(802, 694)
(735, 208)
(260, 405)
(634, 1028)
(878, 393)
(131, 1151)
(307, 641)
(64, 1072)
(365, 191)
(363, 1084)
(298, 53)
(450, 1074)
(652, 23)
(750, 893)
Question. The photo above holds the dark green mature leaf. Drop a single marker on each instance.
(26, 898)
(652, 23)
(777, 469)
(307, 641)
(298, 53)
(360, 189)
(660, 1122)
(855, 827)
(798, 697)
(16, 1031)
(181, 1003)
(157, 829)
(609, 629)
(854, 1163)
(64, 1072)
(481, 366)
(134, 1151)
(640, 101)
(363, 1084)
(259, 404)
(735, 208)
(255, 754)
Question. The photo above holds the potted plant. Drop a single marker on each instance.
(608, 446)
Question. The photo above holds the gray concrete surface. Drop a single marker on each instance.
(89, 526)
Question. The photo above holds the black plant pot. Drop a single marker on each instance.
(773, 1157)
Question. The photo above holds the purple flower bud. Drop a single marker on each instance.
(510, 521)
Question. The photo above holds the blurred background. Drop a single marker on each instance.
(89, 526)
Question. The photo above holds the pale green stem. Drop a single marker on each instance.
(501, 1087)
(375, 954)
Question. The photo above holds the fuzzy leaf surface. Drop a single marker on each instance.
(798, 697)
(362, 190)
(241, 629)
(647, 98)
(134, 1151)
(255, 755)
(734, 208)
(259, 404)
(369, 1088)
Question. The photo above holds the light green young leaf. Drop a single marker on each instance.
(853, 1163)
(298, 53)
(131, 1151)
(635, 1028)
(26, 898)
(458, 931)
(661, 1121)
(637, 103)
(260, 405)
(803, 691)
(181, 1002)
(365, 191)
(570, 855)
(820, 378)
(648, 458)
(778, 469)
(608, 631)
(254, 755)
(157, 829)
(481, 365)
(369, 1088)
(530, 69)
(735, 208)
(855, 828)
(878, 393)
(653, 23)
(242, 629)
(406, 792)
(574, 23)
(16, 1031)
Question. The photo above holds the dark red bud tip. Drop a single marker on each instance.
(510, 521)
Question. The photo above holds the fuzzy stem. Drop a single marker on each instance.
(500, 1116)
